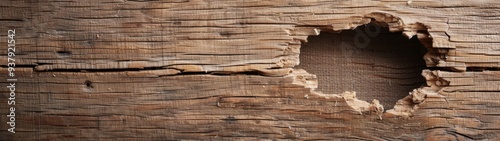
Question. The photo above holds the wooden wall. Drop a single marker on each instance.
(226, 70)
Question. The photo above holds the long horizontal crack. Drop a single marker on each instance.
(218, 73)
(449, 69)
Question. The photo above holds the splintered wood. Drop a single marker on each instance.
(251, 70)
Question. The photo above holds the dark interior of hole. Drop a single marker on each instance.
(64, 53)
(88, 84)
(387, 68)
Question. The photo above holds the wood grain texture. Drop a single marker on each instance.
(227, 70)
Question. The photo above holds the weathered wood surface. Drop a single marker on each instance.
(230, 35)
(224, 70)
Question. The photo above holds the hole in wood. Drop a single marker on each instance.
(384, 66)
(88, 84)
(64, 53)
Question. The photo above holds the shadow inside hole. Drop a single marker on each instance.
(387, 68)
